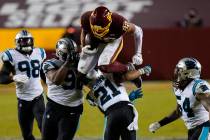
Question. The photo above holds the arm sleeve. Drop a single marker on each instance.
(138, 36)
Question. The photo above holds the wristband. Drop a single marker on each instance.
(164, 121)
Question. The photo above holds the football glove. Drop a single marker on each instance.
(20, 78)
(135, 94)
(137, 59)
(146, 70)
(154, 126)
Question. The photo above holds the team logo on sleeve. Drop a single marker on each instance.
(125, 26)
(204, 88)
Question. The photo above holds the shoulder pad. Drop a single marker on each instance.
(201, 87)
(7, 57)
(119, 23)
(49, 65)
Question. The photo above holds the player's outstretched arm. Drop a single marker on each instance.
(6, 70)
(166, 120)
(138, 38)
(133, 74)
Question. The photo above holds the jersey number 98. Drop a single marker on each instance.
(31, 68)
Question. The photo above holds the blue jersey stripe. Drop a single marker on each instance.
(52, 63)
(195, 85)
(42, 53)
(9, 55)
(204, 133)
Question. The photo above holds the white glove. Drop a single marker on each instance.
(137, 59)
(146, 70)
(20, 78)
(154, 126)
(87, 49)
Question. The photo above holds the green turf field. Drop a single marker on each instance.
(158, 101)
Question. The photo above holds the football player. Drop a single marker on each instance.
(65, 98)
(102, 41)
(193, 100)
(22, 65)
(112, 99)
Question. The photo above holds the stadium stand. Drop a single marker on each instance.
(163, 43)
(165, 13)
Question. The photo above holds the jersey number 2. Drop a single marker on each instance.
(105, 96)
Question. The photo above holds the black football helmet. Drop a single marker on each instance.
(65, 47)
(185, 71)
(24, 42)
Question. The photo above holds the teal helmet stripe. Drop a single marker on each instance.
(25, 33)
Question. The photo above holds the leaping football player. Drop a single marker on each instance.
(102, 41)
